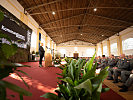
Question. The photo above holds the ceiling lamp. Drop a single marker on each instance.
(80, 34)
(102, 35)
(53, 13)
(95, 9)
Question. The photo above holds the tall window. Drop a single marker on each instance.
(62, 51)
(33, 39)
(114, 49)
(90, 52)
(127, 44)
(99, 52)
(105, 50)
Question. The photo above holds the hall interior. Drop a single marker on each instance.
(73, 29)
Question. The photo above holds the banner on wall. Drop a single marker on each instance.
(19, 33)
(39, 39)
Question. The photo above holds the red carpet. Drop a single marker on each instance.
(43, 81)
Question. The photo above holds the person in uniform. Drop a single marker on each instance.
(98, 60)
(128, 83)
(126, 74)
(41, 53)
(104, 62)
(122, 65)
(111, 63)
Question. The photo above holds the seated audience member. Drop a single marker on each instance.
(128, 83)
(111, 63)
(129, 57)
(126, 74)
(103, 62)
(98, 60)
(122, 65)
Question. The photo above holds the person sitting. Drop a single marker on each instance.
(98, 60)
(126, 74)
(103, 62)
(111, 63)
(122, 65)
(128, 83)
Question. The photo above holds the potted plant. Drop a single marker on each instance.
(79, 81)
(57, 62)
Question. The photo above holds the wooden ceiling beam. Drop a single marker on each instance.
(87, 14)
(110, 18)
(102, 29)
(84, 25)
(61, 19)
(41, 5)
(70, 9)
(71, 33)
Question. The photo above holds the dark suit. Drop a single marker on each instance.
(41, 52)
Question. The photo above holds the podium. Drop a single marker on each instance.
(48, 60)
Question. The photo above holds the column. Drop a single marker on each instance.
(96, 50)
(51, 45)
(108, 47)
(119, 45)
(37, 46)
(53, 49)
(102, 48)
(46, 41)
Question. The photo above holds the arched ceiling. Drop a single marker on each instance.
(77, 20)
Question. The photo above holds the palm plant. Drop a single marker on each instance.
(6, 67)
(79, 81)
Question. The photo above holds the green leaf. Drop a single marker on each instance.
(97, 92)
(72, 70)
(50, 96)
(89, 74)
(6, 48)
(59, 74)
(2, 93)
(15, 88)
(85, 85)
(24, 73)
(21, 96)
(90, 62)
(23, 80)
(105, 89)
(64, 90)
(69, 80)
(20, 65)
(1, 16)
(101, 76)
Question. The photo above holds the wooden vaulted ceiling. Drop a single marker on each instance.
(77, 20)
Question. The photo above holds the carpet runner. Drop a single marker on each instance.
(44, 80)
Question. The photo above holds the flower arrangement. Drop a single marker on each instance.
(57, 61)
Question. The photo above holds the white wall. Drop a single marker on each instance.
(82, 50)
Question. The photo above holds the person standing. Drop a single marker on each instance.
(41, 53)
